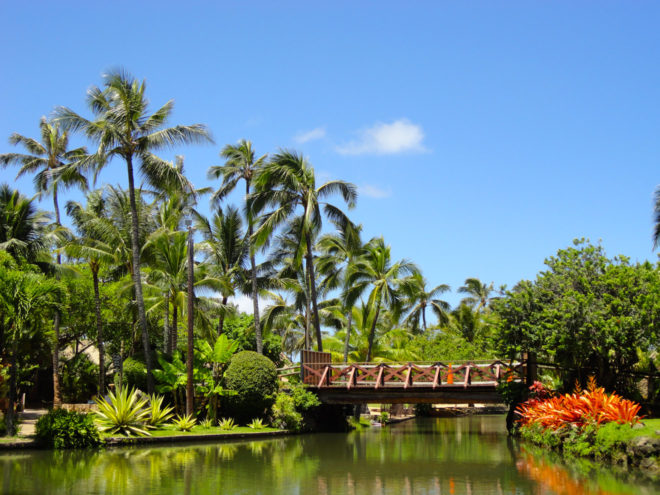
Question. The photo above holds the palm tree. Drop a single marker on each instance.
(466, 322)
(97, 253)
(240, 163)
(26, 299)
(287, 183)
(169, 253)
(23, 228)
(478, 293)
(56, 168)
(656, 218)
(338, 251)
(124, 128)
(418, 298)
(375, 268)
(226, 250)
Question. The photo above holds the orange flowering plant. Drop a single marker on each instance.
(583, 407)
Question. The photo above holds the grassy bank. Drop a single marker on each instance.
(612, 442)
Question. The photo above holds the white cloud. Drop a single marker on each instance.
(313, 135)
(376, 192)
(386, 139)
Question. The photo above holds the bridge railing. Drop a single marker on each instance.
(410, 375)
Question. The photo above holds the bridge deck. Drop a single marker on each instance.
(409, 382)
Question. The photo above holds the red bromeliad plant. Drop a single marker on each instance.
(591, 406)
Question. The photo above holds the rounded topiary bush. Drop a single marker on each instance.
(254, 379)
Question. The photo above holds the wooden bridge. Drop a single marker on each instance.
(451, 383)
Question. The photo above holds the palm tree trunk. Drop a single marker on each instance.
(137, 276)
(99, 331)
(424, 317)
(308, 312)
(253, 278)
(372, 333)
(174, 333)
(13, 378)
(57, 393)
(349, 319)
(312, 284)
(221, 320)
(166, 326)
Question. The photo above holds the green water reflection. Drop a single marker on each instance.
(435, 456)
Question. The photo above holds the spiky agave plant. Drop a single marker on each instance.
(257, 424)
(227, 424)
(124, 413)
(184, 423)
(158, 415)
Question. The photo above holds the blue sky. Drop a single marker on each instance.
(483, 136)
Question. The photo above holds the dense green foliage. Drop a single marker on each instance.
(79, 379)
(63, 429)
(586, 312)
(135, 374)
(611, 441)
(254, 378)
(241, 329)
(294, 408)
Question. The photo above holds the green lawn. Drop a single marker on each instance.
(170, 431)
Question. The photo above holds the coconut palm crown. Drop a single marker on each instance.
(287, 184)
(123, 127)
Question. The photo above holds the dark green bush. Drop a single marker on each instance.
(135, 374)
(79, 379)
(254, 378)
(63, 429)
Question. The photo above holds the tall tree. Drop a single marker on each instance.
(338, 251)
(26, 298)
(419, 298)
(226, 250)
(375, 269)
(23, 227)
(288, 185)
(89, 245)
(478, 293)
(55, 168)
(241, 163)
(123, 128)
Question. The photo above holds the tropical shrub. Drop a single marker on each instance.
(383, 417)
(158, 415)
(80, 378)
(227, 424)
(285, 415)
(206, 423)
(254, 379)
(62, 429)
(184, 423)
(257, 424)
(135, 374)
(303, 399)
(124, 413)
(579, 409)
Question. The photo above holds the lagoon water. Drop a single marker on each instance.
(470, 455)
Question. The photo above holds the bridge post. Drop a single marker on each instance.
(531, 368)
